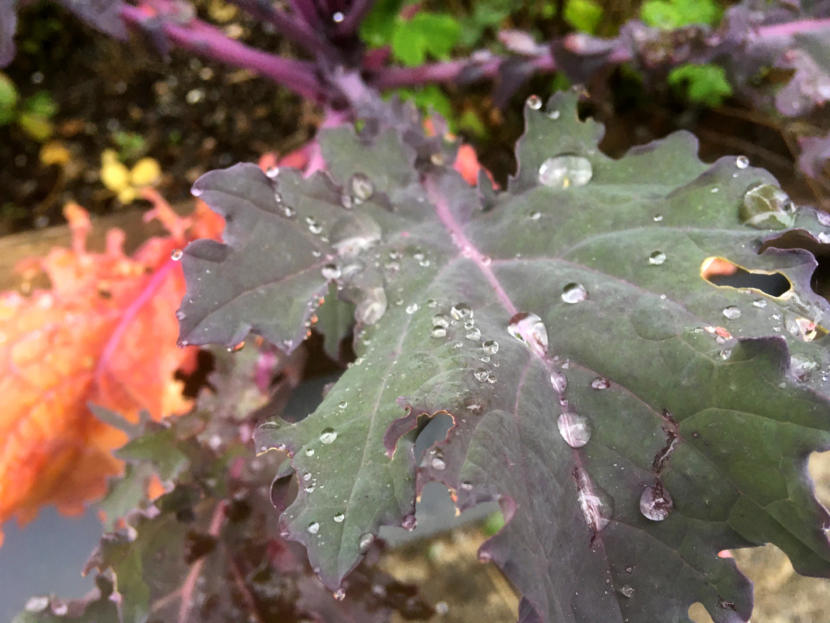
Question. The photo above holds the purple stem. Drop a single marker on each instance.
(791, 28)
(449, 71)
(307, 10)
(205, 40)
(292, 27)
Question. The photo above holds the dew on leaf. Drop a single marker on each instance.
(474, 334)
(759, 303)
(655, 502)
(460, 311)
(372, 307)
(766, 206)
(559, 381)
(600, 383)
(534, 102)
(574, 293)
(365, 542)
(823, 218)
(176, 255)
(339, 517)
(466, 485)
(412, 308)
(535, 215)
(480, 374)
(531, 331)
(438, 332)
(278, 197)
(574, 428)
(657, 218)
(309, 451)
(657, 258)
(409, 522)
(337, 17)
(342, 404)
(565, 171)
(742, 162)
(313, 225)
(595, 505)
(331, 271)
(437, 462)
(627, 591)
(272, 172)
(432, 303)
(361, 187)
(441, 608)
(823, 237)
(491, 347)
(339, 594)
(313, 527)
(731, 312)
(440, 320)
(804, 329)
(553, 114)
(37, 604)
(329, 435)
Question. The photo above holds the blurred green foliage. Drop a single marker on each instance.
(670, 14)
(33, 114)
(583, 15)
(704, 84)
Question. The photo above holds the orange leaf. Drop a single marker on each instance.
(105, 332)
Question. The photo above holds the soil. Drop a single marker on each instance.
(193, 116)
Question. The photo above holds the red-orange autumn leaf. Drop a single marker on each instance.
(105, 332)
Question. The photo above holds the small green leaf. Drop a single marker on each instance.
(670, 14)
(36, 126)
(426, 34)
(8, 99)
(584, 15)
(41, 104)
(704, 84)
(377, 27)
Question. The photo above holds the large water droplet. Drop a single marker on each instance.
(655, 502)
(313, 527)
(460, 311)
(329, 435)
(331, 272)
(657, 258)
(491, 347)
(362, 187)
(565, 171)
(574, 293)
(340, 593)
(574, 428)
(559, 381)
(742, 162)
(473, 334)
(437, 461)
(534, 102)
(823, 218)
(531, 331)
(176, 255)
(767, 207)
(272, 172)
(372, 307)
(339, 517)
(627, 591)
(438, 332)
(731, 312)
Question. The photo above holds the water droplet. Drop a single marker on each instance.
(412, 308)
(742, 162)
(553, 114)
(535, 215)
(823, 218)
(278, 197)
(37, 604)
(339, 518)
(438, 332)
(309, 451)
(337, 17)
(759, 303)
(342, 404)
(362, 187)
(657, 218)
(600, 383)
(804, 329)
(655, 502)
(372, 307)
(574, 293)
(627, 591)
(307, 476)
(339, 594)
(565, 171)
(331, 271)
(466, 485)
(534, 102)
(460, 311)
(328, 436)
(767, 207)
(313, 527)
(365, 542)
(491, 347)
(559, 381)
(313, 225)
(731, 312)
(574, 428)
(531, 331)
(409, 522)
(481, 374)
(474, 334)
(441, 608)
(596, 506)
(272, 172)
(196, 192)
(823, 237)
(657, 258)
(437, 462)
(180, 315)
(176, 255)
(440, 320)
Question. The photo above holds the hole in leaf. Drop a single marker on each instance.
(698, 613)
(433, 431)
(284, 490)
(724, 273)
(800, 239)
(197, 379)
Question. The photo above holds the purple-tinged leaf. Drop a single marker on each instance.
(105, 15)
(632, 413)
(815, 152)
(8, 25)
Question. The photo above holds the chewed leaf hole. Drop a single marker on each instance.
(727, 274)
